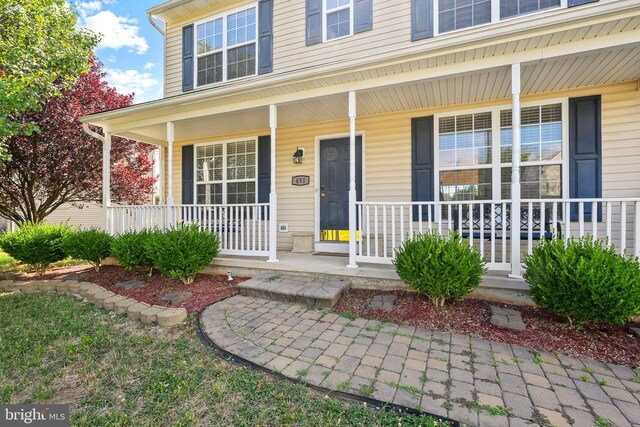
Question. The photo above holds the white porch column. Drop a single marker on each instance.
(106, 181)
(162, 158)
(515, 172)
(273, 197)
(352, 180)
(170, 201)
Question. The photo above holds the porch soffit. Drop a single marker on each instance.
(600, 67)
(412, 75)
(478, 60)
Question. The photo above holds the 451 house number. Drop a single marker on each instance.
(300, 180)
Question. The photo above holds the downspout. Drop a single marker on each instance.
(88, 131)
(156, 26)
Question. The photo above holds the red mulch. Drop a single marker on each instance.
(206, 288)
(545, 331)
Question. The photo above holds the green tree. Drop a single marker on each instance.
(42, 53)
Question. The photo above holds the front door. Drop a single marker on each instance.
(334, 187)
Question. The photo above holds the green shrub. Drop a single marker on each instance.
(584, 280)
(92, 246)
(182, 252)
(439, 267)
(36, 245)
(129, 250)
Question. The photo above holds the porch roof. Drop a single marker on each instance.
(603, 53)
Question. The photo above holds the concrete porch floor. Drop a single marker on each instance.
(495, 284)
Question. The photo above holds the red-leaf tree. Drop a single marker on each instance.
(62, 164)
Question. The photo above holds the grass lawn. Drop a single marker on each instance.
(114, 371)
(6, 262)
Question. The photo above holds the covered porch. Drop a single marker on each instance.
(391, 201)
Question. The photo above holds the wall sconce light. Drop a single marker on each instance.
(298, 155)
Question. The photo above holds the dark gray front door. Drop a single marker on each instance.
(334, 182)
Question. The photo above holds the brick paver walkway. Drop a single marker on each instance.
(475, 381)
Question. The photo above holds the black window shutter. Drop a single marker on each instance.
(421, 19)
(585, 153)
(580, 2)
(314, 22)
(265, 36)
(363, 15)
(264, 168)
(187, 175)
(422, 163)
(187, 58)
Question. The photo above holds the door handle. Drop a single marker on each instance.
(322, 194)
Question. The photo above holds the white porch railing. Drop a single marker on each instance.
(242, 229)
(487, 226)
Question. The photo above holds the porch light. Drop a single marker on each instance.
(297, 156)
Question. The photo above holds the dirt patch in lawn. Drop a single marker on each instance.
(545, 331)
(205, 289)
(50, 274)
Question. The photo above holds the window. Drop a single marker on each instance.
(337, 18)
(474, 153)
(541, 151)
(226, 47)
(226, 173)
(465, 157)
(510, 8)
(457, 14)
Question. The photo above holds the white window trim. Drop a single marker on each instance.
(224, 180)
(325, 12)
(224, 15)
(496, 163)
(495, 16)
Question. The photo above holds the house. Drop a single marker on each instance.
(359, 122)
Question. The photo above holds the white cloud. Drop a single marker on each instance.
(149, 65)
(117, 31)
(86, 7)
(133, 81)
(112, 58)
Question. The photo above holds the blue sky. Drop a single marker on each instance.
(131, 49)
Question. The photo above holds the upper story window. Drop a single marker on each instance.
(226, 47)
(457, 14)
(451, 15)
(510, 8)
(338, 18)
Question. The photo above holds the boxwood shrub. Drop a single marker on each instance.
(36, 245)
(584, 280)
(129, 250)
(182, 252)
(439, 267)
(92, 246)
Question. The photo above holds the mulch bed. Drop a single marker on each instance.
(545, 331)
(206, 288)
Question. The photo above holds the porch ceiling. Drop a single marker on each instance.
(598, 67)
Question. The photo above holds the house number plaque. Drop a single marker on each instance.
(300, 180)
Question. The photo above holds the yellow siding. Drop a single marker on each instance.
(387, 154)
(391, 31)
(90, 216)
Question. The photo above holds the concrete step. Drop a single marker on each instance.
(309, 290)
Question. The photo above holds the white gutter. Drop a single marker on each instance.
(156, 26)
(88, 131)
